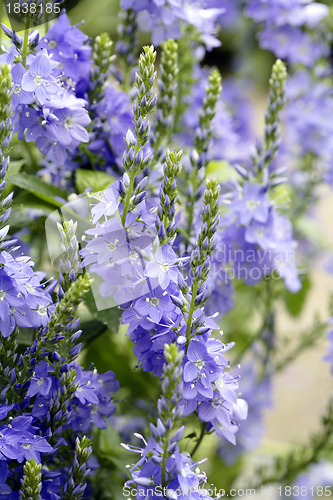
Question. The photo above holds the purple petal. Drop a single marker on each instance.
(190, 372)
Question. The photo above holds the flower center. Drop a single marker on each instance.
(69, 122)
(38, 80)
(30, 288)
(2, 295)
(112, 246)
(251, 204)
(42, 310)
(155, 301)
(200, 364)
(17, 89)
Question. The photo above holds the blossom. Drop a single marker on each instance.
(154, 306)
(199, 364)
(163, 267)
(69, 126)
(20, 96)
(39, 79)
(40, 382)
(252, 205)
(108, 204)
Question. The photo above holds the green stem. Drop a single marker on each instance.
(130, 187)
(165, 457)
(25, 44)
(200, 439)
(191, 312)
(128, 197)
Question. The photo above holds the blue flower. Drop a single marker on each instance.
(40, 382)
(200, 364)
(253, 204)
(20, 96)
(155, 305)
(10, 300)
(69, 126)
(68, 46)
(107, 205)
(39, 79)
(163, 267)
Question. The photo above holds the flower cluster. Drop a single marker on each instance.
(166, 19)
(162, 469)
(285, 28)
(152, 245)
(46, 398)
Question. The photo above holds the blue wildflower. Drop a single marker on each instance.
(39, 79)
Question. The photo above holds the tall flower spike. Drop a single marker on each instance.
(277, 84)
(59, 413)
(166, 220)
(161, 462)
(79, 472)
(134, 161)
(210, 217)
(171, 385)
(102, 58)
(205, 246)
(69, 262)
(31, 484)
(126, 46)
(201, 142)
(59, 338)
(5, 138)
(167, 96)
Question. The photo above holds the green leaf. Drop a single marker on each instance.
(222, 171)
(14, 167)
(26, 200)
(86, 179)
(38, 187)
(107, 351)
(20, 219)
(109, 317)
(294, 302)
(91, 330)
(26, 336)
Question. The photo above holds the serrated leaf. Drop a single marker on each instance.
(86, 179)
(294, 302)
(38, 187)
